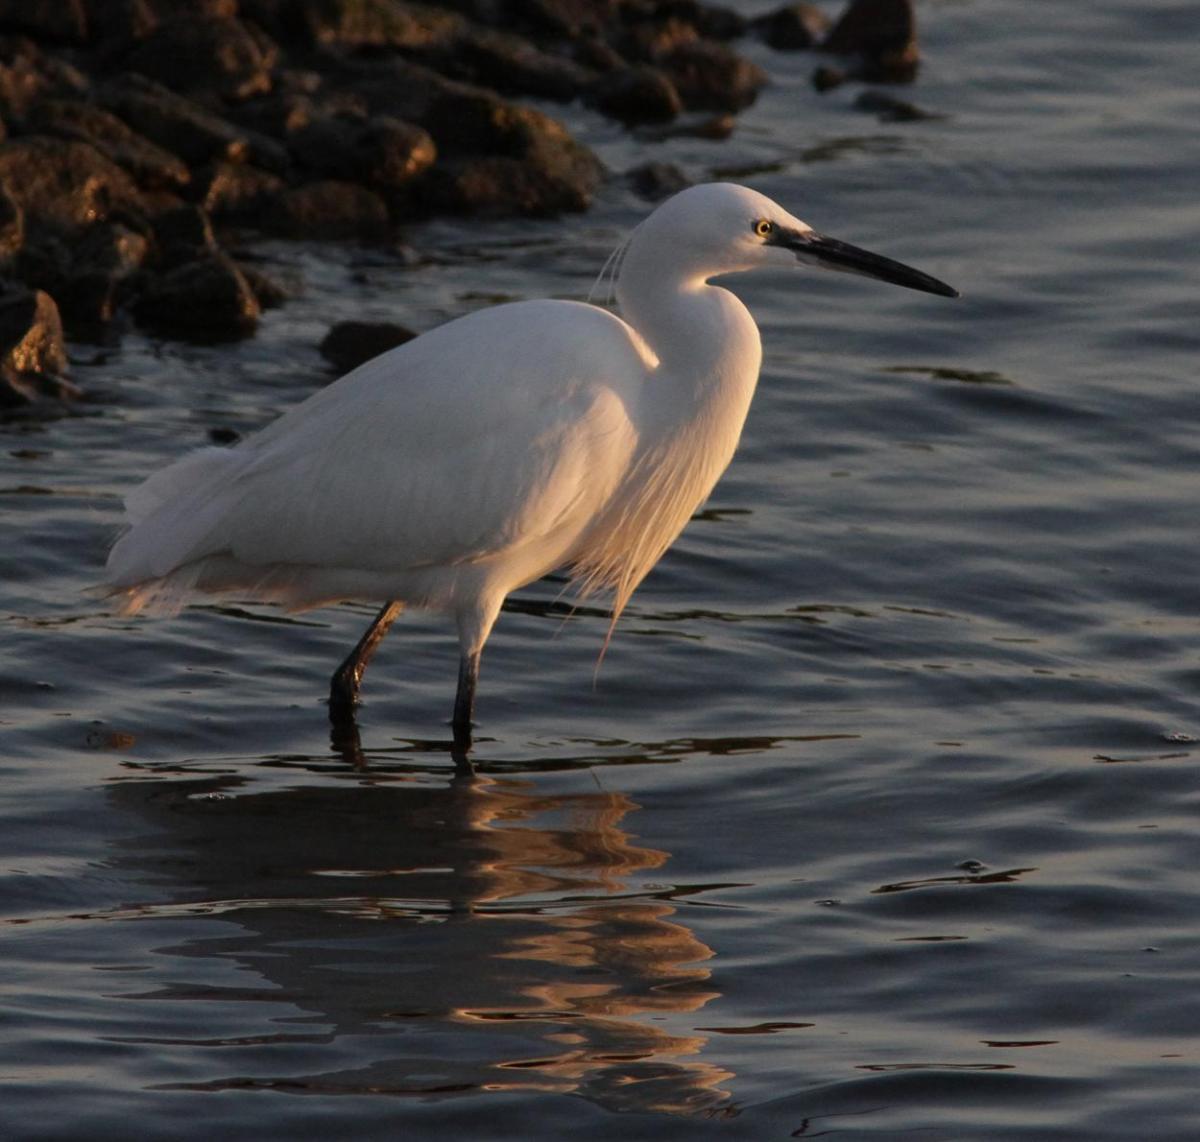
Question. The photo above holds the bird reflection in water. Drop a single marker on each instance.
(441, 936)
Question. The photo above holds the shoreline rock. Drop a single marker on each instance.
(129, 127)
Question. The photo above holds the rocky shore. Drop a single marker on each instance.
(135, 133)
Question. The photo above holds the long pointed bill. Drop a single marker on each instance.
(830, 254)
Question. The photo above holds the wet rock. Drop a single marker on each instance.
(279, 114)
(504, 159)
(385, 153)
(297, 81)
(496, 157)
(465, 119)
(709, 20)
(501, 186)
(349, 343)
(205, 300)
(398, 87)
(283, 114)
(150, 165)
(31, 336)
(33, 352)
(116, 23)
(44, 260)
(571, 20)
(238, 193)
(598, 56)
(794, 27)
(354, 23)
(92, 290)
(210, 9)
(266, 289)
(155, 202)
(27, 74)
(12, 229)
(89, 303)
(636, 95)
(183, 235)
(194, 54)
(881, 35)
(827, 77)
(175, 123)
(45, 19)
(329, 210)
(63, 183)
(93, 294)
(655, 181)
(649, 40)
(512, 65)
(711, 77)
(87, 275)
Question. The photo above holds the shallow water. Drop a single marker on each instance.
(880, 817)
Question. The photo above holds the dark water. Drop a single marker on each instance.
(880, 820)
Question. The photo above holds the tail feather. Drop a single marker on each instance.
(167, 520)
(164, 596)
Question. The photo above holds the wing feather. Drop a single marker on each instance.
(478, 436)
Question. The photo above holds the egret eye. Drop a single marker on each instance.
(764, 228)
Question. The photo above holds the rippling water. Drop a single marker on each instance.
(880, 817)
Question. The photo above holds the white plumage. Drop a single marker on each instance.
(482, 455)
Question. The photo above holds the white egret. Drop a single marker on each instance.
(484, 454)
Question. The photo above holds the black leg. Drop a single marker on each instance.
(464, 700)
(343, 687)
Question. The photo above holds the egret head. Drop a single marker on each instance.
(720, 228)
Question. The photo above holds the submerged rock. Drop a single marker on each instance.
(350, 343)
(889, 109)
(656, 181)
(713, 127)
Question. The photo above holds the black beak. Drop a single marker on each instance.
(831, 254)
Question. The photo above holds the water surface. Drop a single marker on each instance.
(880, 817)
